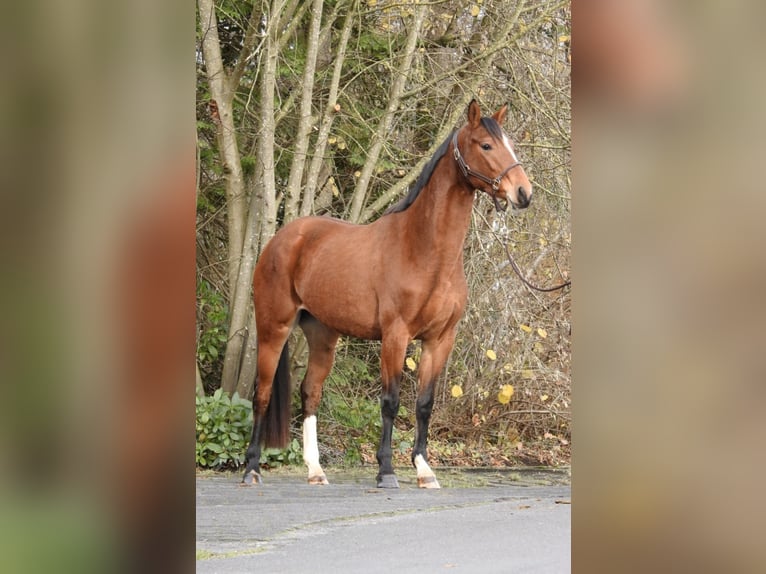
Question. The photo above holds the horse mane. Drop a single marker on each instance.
(488, 123)
(422, 179)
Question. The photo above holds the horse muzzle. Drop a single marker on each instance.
(523, 199)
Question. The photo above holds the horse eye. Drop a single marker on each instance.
(486, 147)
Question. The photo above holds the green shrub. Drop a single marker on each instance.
(277, 457)
(223, 430)
(212, 321)
(224, 426)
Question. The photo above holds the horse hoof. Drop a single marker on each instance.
(387, 481)
(428, 482)
(251, 478)
(318, 479)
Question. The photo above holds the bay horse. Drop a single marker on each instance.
(395, 280)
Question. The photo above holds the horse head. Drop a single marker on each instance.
(486, 157)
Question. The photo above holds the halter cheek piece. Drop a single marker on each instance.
(468, 172)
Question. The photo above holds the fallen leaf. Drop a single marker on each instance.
(505, 394)
(457, 391)
(491, 355)
(525, 328)
(411, 364)
(542, 332)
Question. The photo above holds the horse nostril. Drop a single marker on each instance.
(524, 196)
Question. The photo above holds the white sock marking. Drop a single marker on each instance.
(422, 466)
(310, 446)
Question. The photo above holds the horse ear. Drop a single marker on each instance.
(499, 115)
(474, 114)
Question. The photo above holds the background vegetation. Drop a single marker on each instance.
(332, 107)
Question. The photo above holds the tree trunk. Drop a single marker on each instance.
(315, 168)
(266, 138)
(200, 386)
(248, 365)
(258, 232)
(301, 145)
(222, 95)
(381, 133)
(239, 360)
(240, 307)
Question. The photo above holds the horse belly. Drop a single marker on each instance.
(343, 304)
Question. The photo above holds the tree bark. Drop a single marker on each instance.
(261, 224)
(266, 137)
(301, 145)
(394, 99)
(199, 385)
(241, 325)
(222, 94)
(315, 168)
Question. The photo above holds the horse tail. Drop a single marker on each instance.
(275, 429)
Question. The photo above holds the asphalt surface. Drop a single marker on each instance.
(510, 522)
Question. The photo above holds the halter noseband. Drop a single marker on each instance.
(468, 172)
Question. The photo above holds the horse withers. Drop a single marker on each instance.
(397, 279)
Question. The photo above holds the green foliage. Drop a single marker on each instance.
(224, 426)
(223, 430)
(278, 457)
(350, 407)
(248, 164)
(213, 315)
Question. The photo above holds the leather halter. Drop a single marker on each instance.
(468, 172)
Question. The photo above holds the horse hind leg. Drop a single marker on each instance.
(321, 340)
(272, 382)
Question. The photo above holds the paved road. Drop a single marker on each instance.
(506, 523)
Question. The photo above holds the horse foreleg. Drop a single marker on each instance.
(391, 364)
(433, 358)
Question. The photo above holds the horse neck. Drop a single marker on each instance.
(437, 222)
